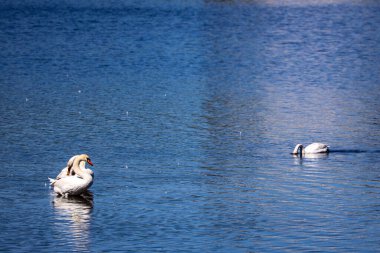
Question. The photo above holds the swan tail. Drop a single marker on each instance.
(52, 181)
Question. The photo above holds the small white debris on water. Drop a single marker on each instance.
(79, 91)
(26, 99)
(127, 113)
(126, 166)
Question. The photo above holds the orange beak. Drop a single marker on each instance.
(89, 162)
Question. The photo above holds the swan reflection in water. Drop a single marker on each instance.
(313, 158)
(73, 218)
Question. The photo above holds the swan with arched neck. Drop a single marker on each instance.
(67, 171)
(79, 182)
(314, 148)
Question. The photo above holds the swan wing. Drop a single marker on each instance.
(71, 185)
(62, 174)
(317, 148)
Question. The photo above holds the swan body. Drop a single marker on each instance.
(78, 183)
(314, 148)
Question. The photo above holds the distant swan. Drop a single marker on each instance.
(78, 183)
(313, 148)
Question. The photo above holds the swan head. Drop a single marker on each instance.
(85, 158)
(297, 149)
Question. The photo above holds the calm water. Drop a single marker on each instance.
(189, 113)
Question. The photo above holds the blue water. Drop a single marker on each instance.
(189, 112)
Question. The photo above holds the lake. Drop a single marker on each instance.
(189, 112)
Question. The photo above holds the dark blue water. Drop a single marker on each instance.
(189, 112)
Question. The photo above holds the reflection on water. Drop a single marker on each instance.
(73, 218)
(312, 156)
(311, 160)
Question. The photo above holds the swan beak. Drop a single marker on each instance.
(89, 162)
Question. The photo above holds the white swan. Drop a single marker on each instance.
(78, 183)
(67, 171)
(314, 148)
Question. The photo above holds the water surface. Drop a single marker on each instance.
(189, 113)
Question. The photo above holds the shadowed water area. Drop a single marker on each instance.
(189, 112)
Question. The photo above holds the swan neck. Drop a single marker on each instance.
(78, 168)
(298, 149)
